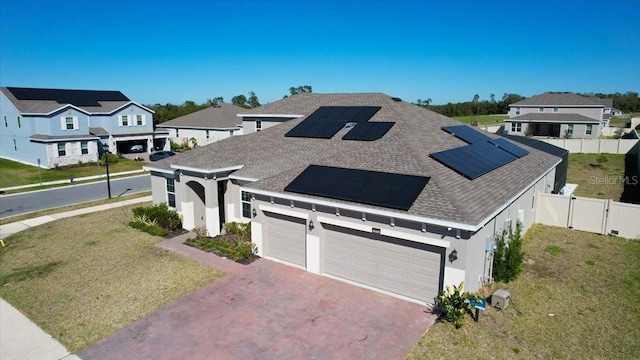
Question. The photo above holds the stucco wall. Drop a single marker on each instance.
(249, 123)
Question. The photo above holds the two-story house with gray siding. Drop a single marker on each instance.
(557, 115)
(55, 127)
(362, 188)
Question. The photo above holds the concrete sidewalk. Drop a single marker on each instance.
(20, 338)
(75, 180)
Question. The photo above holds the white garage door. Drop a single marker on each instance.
(399, 266)
(285, 239)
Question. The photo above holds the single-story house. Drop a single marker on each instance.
(205, 126)
(363, 188)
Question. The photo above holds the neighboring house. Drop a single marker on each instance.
(205, 126)
(363, 188)
(559, 114)
(268, 115)
(616, 112)
(53, 127)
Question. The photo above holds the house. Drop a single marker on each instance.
(272, 114)
(559, 114)
(205, 126)
(55, 127)
(363, 188)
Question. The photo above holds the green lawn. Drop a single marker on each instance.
(617, 121)
(82, 278)
(13, 173)
(483, 119)
(578, 298)
(591, 175)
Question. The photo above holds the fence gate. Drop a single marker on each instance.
(588, 214)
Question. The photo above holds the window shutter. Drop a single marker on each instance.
(120, 120)
(75, 123)
(63, 123)
(144, 120)
(79, 146)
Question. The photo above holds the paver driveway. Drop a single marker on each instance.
(270, 311)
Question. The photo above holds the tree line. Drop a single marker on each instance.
(165, 112)
(627, 103)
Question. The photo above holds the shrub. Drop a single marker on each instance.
(238, 250)
(160, 214)
(453, 304)
(602, 158)
(103, 159)
(239, 229)
(508, 257)
(149, 229)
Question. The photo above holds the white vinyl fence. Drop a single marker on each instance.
(595, 146)
(586, 214)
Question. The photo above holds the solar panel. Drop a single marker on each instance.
(326, 121)
(474, 160)
(396, 191)
(368, 131)
(466, 133)
(509, 147)
(74, 97)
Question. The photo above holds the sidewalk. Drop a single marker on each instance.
(75, 180)
(20, 338)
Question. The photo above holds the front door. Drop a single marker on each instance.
(222, 189)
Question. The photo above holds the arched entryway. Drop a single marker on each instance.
(195, 196)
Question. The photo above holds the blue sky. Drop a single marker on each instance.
(173, 51)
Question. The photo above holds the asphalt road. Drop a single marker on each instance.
(17, 204)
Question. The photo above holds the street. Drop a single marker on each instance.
(11, 205)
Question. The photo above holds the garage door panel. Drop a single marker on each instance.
(285, 239)
(390, 264)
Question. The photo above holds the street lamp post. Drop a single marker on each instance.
(106, 156)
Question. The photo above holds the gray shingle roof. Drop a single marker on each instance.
(559, 98)
(276, 160)
(560, 118)
(45, 138)
(608, 103)
(214, 117)
(48, 106)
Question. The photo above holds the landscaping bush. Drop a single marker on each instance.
(150, 229)
(164, 217)
(113, 158)
(453, 304)
(508, 258)
(239, 229)
(235, 244)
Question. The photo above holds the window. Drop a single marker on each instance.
(84, 147)
(246, 204)
(124, 120)
(19, 123)
(6, 124)
(570, 129)
(555, 109)
(517, 110)
(68, 123)
(62, 149)
(15, 146)
(541, 109)
(516, 127)
(171, 193)
(207, 134)
(258, 125)
(177, 132)
(589, 129)
(139, 120)
(230, 132)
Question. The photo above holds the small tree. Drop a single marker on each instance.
(509, 256)
(528, 132)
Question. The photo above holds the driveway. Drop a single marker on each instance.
(270, 311)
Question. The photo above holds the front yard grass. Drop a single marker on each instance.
(597, 179)
(580, 302)
(14, 173)
(82, 278)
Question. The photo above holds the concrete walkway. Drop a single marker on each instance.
(20, 338)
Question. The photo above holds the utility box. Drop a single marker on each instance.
(500, 299)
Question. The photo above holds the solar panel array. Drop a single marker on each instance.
(74, 97)
(325, 122)
(395, 191)
(482, 155)
(368, 131)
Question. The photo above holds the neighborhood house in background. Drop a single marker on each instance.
(205, 126)
(64, 127)
(364, 188)
(559, 115)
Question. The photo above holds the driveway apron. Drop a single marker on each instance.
(268, 310)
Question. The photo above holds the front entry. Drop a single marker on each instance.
(222, 189)
(196, 196)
